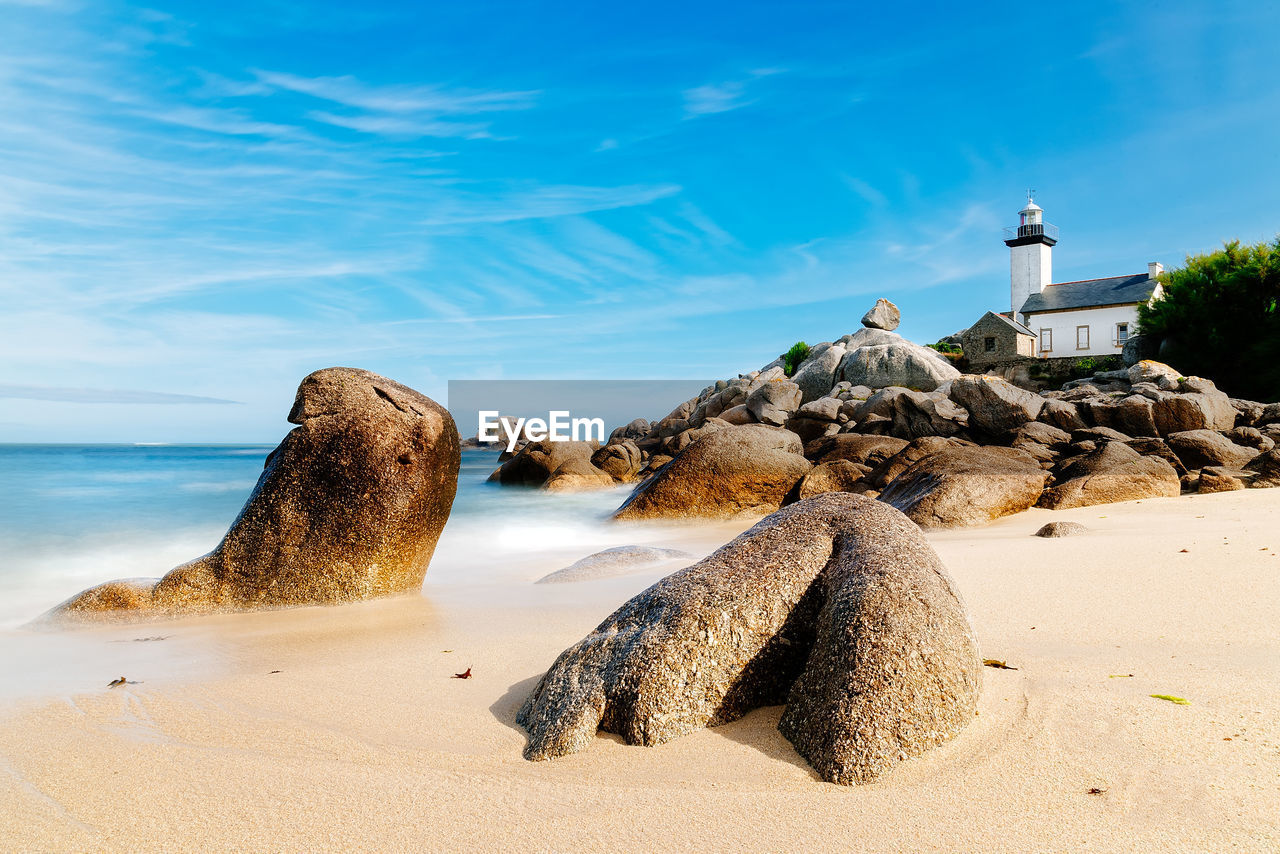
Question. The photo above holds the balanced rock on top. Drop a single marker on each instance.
(348, 507)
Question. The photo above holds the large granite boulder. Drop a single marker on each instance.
(836, 606)
(1198, 405)
(747, 469)
(883, 315)
(348, 507)
(854, 447)
(995, 405)
(1113, 472)
(536, 462)
(966, 486)
(900, 363)
(619, 560)
(774, 402)
(835, 476)
(1199, 448)
(817, 374)
(1266, 468)
(621, 459)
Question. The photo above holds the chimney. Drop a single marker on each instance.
(1154, 268)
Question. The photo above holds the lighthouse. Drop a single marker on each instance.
(1030, 255)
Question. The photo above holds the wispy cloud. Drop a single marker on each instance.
(398, 98)
(94, 395)
(724, 96)
(545, 202)
(401, 126)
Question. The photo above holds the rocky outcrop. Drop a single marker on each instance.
(817, 374)
(1266, 469)
(1199, 448)
(883, 315)
(900, 363)
(959, 487)
(748, 469)
(835, 476)
(774, 402)
(836, 606)
(348, 507)
(995, 406)
(1113, 472)
(558, 466)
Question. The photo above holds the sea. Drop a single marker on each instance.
(72, 516)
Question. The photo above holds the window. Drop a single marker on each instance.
(1122, 334)
(1082, 338)
(1046, 340)
(989, 344)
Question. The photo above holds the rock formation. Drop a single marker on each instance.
(836, 606)
(348, 507)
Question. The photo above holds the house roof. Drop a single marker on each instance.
(1017, 327)
(1091, 293)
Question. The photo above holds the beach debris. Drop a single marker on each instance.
(1119, 675)
(1172, 699)
(446, 650)
(997, 664)
(275, 671)
(116, 683)
(1184, 551)
(1094, 790)
(766, 620)
(466, 674)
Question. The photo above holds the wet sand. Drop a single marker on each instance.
(363, 741)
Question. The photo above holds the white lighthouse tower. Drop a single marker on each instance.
(1030, 255)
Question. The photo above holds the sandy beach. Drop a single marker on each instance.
(342, 729)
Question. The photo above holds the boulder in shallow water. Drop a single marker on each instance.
(620, 560)
(348, 507)
(836, 606)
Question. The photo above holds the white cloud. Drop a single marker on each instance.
(349, 91)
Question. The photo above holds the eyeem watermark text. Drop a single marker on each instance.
(559, 426)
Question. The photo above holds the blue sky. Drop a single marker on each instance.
(201, 203)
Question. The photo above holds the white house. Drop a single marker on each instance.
(1093, 317)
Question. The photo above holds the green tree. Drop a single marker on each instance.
(1219, 317)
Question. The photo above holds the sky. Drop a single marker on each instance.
(200, 203)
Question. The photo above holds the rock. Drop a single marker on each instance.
(1133, 415)
(1251, 437)
(1200, 448)
(621, 460)
(1158, 448)
(1061, 414)
(1222, 479)
(774, 402)
(883, 315)
(854, 447)
(900, 364)
(738, 415)
(1062, 529)
(1099, 434)
(577, 474)
(961, 487)
(908, 455)
(620, 560)
(734, 470)
(1040, 432)
(1270, 415)
(637, 429)
(1248, 412)
(1266, 468)
(817, 374)
(680, 441)
(1198, 406)
(918, 413)
(835, 476)
(349, 506)
(836, 606)
(1139, 347)
(534, 464)
(994, 405)
(1137, 477)
(1157, 373)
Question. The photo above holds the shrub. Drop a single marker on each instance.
(1219, 317)
(792, 358)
